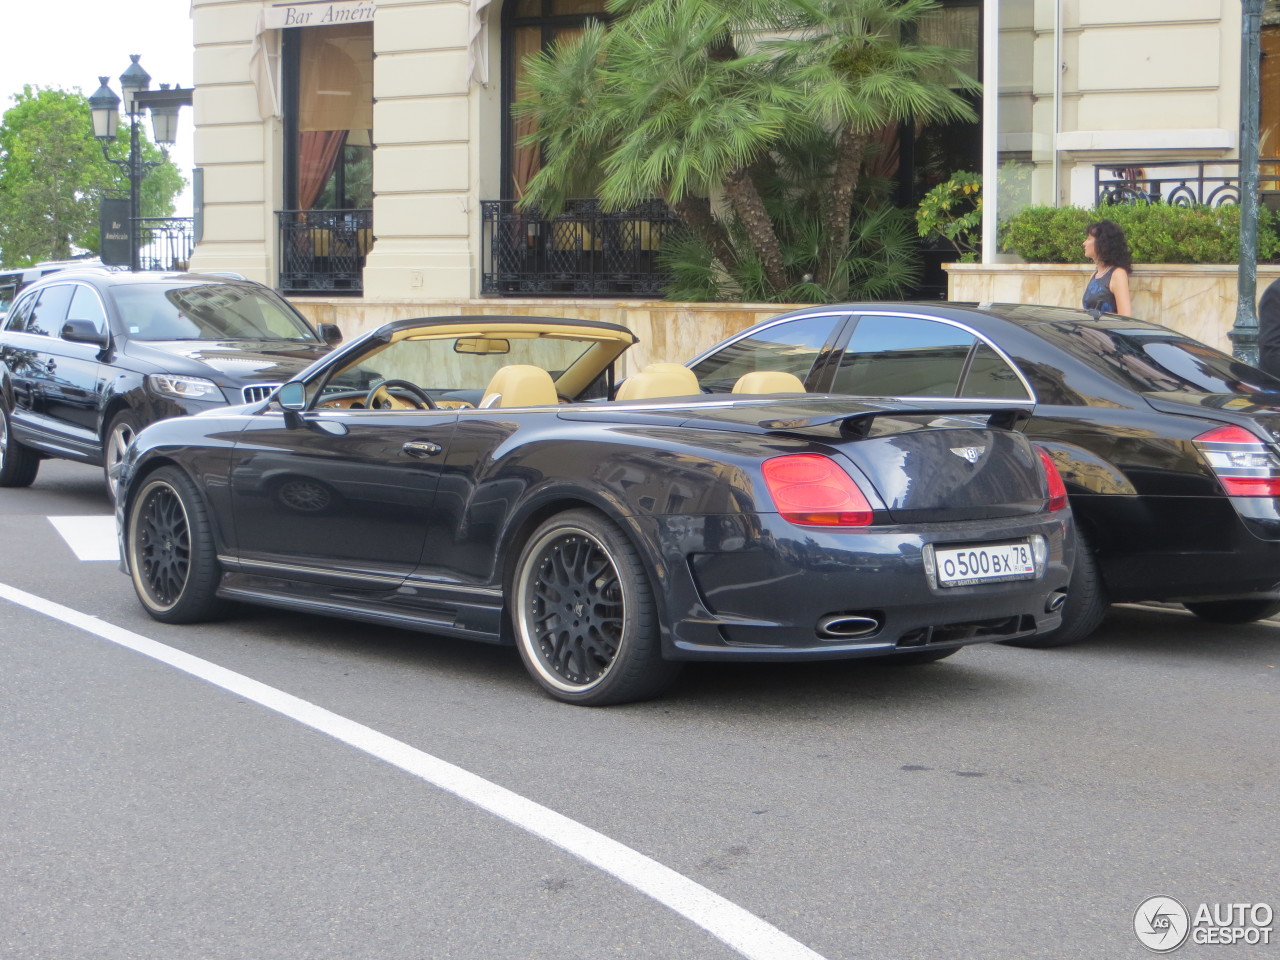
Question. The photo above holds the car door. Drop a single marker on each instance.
(75, 385)
(56, 383)
(337, 496)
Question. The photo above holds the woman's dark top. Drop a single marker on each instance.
(1098, 295)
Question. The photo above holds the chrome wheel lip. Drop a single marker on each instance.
(158, 546)
(527, 611)
(4, 437)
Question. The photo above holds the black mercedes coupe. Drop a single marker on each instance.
(1170, 449)
(484, 477)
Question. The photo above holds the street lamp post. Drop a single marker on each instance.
(1244, 333)
(164, 104)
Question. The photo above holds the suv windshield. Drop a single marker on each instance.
(207, 311)
(1152, 359)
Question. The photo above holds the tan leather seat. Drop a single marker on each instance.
(520, 385)
(659, 380)
(769, 381)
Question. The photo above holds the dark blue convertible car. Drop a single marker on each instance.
(486, 478)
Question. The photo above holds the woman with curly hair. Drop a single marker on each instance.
(1108, 289)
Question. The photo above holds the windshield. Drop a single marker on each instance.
(1154, 359)
(207, 311)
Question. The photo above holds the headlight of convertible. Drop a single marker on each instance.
(183, 388)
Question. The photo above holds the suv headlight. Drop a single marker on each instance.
(183, 388)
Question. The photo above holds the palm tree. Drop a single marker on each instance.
(699, 101)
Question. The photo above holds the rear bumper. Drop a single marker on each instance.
(759, 588)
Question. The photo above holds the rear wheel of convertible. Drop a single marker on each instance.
(585, 616)
(1086, 607)
(170, 548)
(18, 464)
(1234, 611)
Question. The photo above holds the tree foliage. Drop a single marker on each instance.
(52, 176)
(720, 107)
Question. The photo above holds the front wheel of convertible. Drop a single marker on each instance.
(171, 551)
(585, 616)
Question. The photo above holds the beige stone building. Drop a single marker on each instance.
(358, 154)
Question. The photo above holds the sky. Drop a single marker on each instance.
(68, 44)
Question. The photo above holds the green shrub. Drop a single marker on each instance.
(953, 211)
(1157, 233)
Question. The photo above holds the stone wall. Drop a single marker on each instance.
(667, 331)
(1198, 300)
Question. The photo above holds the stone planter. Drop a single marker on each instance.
(1198, 300)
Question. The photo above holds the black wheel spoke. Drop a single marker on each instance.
(576, 608)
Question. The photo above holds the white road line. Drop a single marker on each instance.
(741, 930)
(92, 538)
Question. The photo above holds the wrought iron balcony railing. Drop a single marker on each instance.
(1183, 182)
(582, 252)
(165, 243)
(323, 251)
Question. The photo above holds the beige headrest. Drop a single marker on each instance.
(520, 385)
(769, 381)
(659, 380)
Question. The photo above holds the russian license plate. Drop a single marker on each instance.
(989, 563)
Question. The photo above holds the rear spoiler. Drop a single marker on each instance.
(857, 426)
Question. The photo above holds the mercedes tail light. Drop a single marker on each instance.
(1243, 464)
(1057, 489)
(814, 490)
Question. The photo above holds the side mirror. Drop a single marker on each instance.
(292, 396)
(84, 331)
(330, 334)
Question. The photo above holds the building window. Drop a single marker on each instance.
(329, 117)
(530, 26)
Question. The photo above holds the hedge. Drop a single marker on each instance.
(1157, 233)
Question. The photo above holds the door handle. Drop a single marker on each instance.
(421, 449)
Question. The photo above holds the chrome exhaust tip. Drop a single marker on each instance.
(846, 626)
(1055, 601)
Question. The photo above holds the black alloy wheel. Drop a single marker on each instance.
(170, 548)
(18, 464)
(585, 616)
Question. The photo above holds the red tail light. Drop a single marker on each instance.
(814, 490)
(1057, 489)
(1243, 464)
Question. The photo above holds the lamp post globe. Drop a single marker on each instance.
(104, 107)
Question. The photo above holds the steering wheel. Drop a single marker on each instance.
(419, 397)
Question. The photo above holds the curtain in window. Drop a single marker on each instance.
(318, 153)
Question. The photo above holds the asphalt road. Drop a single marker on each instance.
(1004, 803)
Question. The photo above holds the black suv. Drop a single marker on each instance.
(88, 358)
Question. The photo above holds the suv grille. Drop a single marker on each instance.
(258, 391)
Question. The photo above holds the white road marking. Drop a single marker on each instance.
(746, 933)
(92, 538)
